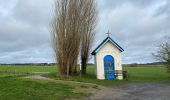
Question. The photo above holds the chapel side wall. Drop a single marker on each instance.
(95, 63)
(100, 68)
(107, 49)
(120, 74)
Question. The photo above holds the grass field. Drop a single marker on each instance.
(136, 74)
(25, 89)
(13, 87)
(28, 69)
(139, 74)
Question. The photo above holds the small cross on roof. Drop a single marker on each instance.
(108, 33)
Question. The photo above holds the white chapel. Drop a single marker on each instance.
(108, 61)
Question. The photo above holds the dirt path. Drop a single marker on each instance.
(135, 91)
(39, 77)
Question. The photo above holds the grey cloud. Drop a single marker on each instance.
(24, 32)
(134, 26)
(137, 25)
(34, 12)
(164, 9)
(30, 55)
(111, 4)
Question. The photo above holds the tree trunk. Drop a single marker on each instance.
(83, 65)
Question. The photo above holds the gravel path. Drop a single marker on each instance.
(135, 91)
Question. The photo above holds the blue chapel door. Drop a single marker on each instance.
(109, 67)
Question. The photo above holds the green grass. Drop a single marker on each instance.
(136, 74)
(139, 74)
(12, 88)
(28, 69)
(89, 78)
(13, 74)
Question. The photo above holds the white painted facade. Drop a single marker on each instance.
(108, 49)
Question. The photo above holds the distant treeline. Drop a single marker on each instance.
(53, 64)
(146, 64)
(34, 64)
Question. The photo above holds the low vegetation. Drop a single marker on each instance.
(13, 87)
(148, 74)
(25, 89)
(136, 74)
(27, 69)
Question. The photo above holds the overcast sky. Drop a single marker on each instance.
(136, 25)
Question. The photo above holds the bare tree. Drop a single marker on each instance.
(68, 27)
(66, 35)
(163, 53)
(88, 32)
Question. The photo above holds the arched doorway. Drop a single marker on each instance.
(109, 67)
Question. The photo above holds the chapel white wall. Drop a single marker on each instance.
(107, 49)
